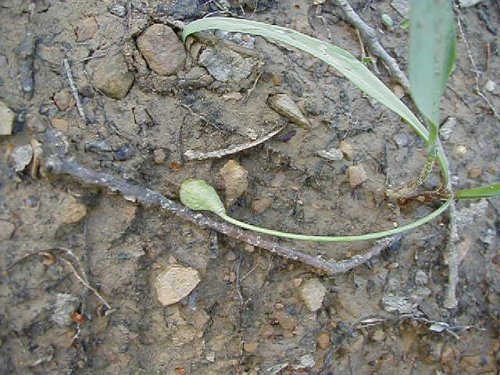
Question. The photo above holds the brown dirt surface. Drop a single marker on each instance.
(68, 249)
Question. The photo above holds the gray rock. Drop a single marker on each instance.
(162, 50)
(175, 283)
(401, 139)
(421, 278)
(62, 306)
(312, 293)
(112, 77)
(226, 65)
(20, 157)
(6, 230)
(286, 107)
(402, 7)
(118, 10)
(447, 128)
(357, 175)
(333, 154)
(7, 117)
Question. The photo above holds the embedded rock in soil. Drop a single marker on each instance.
(70, 210)
(86, 29)
(6, 230)
(64, 99)
(332, 154)
(261, 204)
(357, 175)
(226, 65)
(312, 293)
(162, 50)
(175, 283)
(20, 157)
(347, 150)
(112, 77)
(62, 306)
(286, 107)
(234, 178)
(6, 119)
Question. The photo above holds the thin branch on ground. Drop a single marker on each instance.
(477, 89)
(371, 41)
(233, 149)
(74, 89)
(57, 162)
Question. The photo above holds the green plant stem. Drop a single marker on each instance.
(350, 238)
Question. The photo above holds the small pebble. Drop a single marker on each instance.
(475, 172)
(60, 124)
(71, 210)
(6, 230)
(162, 49)
(421, 278)
(118, 10)
(62, 306)
(112, 77)
(7, 118)
(347, 150)
(86, 29)
(399, 91)
(490, 86)
(250, 347)
(175, 283)
(286, 107)
(64, 99)
(357, 175)
(332, 154)
(460, 151)
(387, 21)
(323, 340)
(20, 157)
(378, 335)
(401, 139)
(125, 152)
(159, 156)
(261, 204)
(234, 179)
(312, 293)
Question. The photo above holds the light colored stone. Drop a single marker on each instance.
(312, 293)
(234, 179)
(250, 347)
(64, 99)
(347, 150)
(490, 86)
(447, 128)
(62, 306)
(226, 65)
(261, 204)
(60, 124)
(175, 283)
(86, 29)
(333, 154)
(357, 175)
(112, 77)
(162, 50)
(286, 107)
(323, 340)
(6, 230)
(21, 157)
(7, 118)
(70, 210)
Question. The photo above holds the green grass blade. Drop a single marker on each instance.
(431, 57)
(488, 191)
(340, 59)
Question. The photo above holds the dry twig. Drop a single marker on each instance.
(57, 162)
(233, 149)
(371, 41)
(74, 89)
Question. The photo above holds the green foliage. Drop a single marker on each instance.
(492, 190)
(431, 57)
(198, 195)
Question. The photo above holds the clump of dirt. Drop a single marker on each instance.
(80, 265)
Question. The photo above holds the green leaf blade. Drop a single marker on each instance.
(488, 191)
(432, 55)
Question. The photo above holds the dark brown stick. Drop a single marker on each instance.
(57, 162)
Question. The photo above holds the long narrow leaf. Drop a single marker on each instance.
(432, 54)
(340, 59)
(492, 190)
